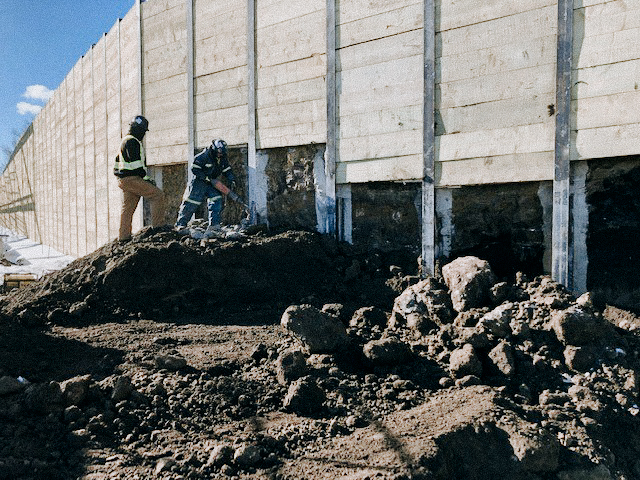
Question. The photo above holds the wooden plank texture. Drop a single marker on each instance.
(407, 167)
(403, 18)
(496, 169)
(460, 13)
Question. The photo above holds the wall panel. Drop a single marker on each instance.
(220, 71)
(164, 80)
(606, 78)
(290, 110)
(113, 126)
(495, 77)
(374, 126)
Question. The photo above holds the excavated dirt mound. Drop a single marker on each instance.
(161, 274)
(164, 357)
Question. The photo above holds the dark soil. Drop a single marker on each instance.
(159, 358)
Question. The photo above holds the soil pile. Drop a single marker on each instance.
(161, 274)
(455, 376)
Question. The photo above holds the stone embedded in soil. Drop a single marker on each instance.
(502, 359)
(291, 364)
(9, 385)
(304, 396)
(599, 472)
(368, 317)
(580, 359)
(317, 331)
(464, 361)
(536, 452)
(497, 321)
(247, 455)
(577, 326)
(43, 397)
(422, 306)
(220, 455)
(469, 280)
(122, 388)
(75, 390)
(387, 351)
(170, 362)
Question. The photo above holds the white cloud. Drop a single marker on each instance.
(38, 92)
(25, 108)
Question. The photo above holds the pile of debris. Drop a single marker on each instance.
(456, 376)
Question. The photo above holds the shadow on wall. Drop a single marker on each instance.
(22, 204)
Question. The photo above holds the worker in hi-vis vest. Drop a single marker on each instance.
(131, 170)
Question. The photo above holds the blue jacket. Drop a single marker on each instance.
(207, 167)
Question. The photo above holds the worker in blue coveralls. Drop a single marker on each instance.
(207, 166)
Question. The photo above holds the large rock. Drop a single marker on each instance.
(9, 385)
(497, 321)
(537, 452)
(75, 390)
(368, 317)
(502, 359)
(464, 361)
(43, 397)
(422, 307)
(304, 397)
(577, 326)
(387, 351)
(317, 331)
(469, 280)
(290, 365)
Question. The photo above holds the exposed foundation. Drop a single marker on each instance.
(386, 215)
(503, 224)
(613, 240)
(291, 194)
(509, 225)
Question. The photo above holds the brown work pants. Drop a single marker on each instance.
(132, 189)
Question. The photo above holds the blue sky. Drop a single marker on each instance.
(40, 41)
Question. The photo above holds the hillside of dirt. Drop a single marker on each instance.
(291, 356)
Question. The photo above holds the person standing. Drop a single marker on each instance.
(131, 170)
(209, 164)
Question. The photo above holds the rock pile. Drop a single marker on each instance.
(462, 376)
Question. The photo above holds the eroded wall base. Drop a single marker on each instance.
(503, 224)
(613, 239)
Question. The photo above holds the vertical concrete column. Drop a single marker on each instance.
(119, 76)
(344, 214)
(92, 164)
(139, 213)
(108, 165)
(260, 186)
(428, 141)
(561, 180)
(444, 211)
(190, 91)
(580, 222)
(254, 173)
(140, 56)
(324, 184)
(327, 222)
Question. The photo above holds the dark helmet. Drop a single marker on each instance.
(139, 123)
(219, 147)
